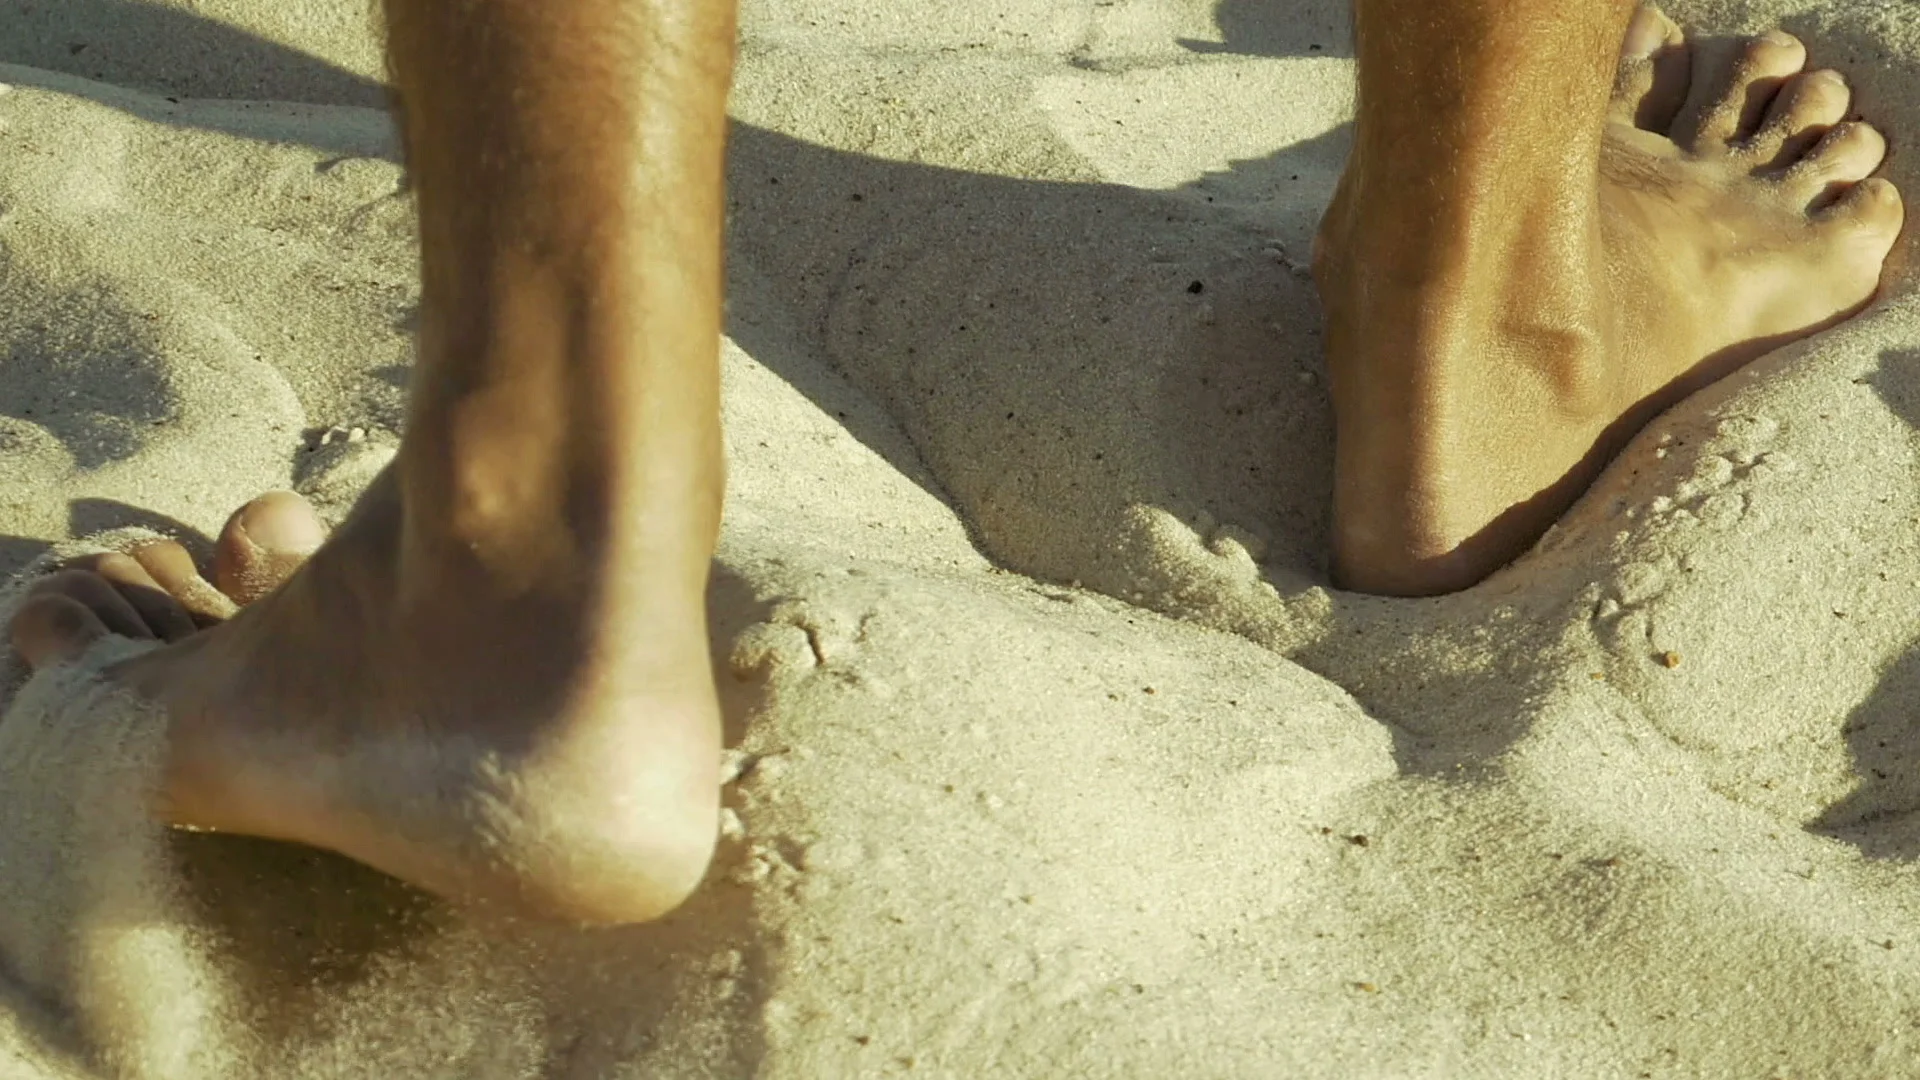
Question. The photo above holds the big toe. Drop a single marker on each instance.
(263, 543)
(1655, 69)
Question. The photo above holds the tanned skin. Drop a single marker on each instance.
(493, 680)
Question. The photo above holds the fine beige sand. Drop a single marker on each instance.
(1053, 755)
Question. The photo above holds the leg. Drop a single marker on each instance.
(493, 681)
(1523, 265)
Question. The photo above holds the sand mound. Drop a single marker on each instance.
(1052, 753)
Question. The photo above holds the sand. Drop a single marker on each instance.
(1052, 754)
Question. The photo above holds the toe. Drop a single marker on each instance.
(1727, 105)
(93, 592)
(160, 611)
(173, 570)
(1873, 210)
(1655, 65)
(1807, 107)
(1845, 155)
(264, 543)
(51, 628)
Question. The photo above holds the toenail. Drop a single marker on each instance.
(272, 524)
(1780, 38)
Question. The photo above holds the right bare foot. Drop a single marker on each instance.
(1480, 385)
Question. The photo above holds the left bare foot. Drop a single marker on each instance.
(1481, 382)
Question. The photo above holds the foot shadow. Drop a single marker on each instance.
(1882, 816)
(83, 372)
(88, 516)
(125, 42)
(1049, 352)
(1264, 28)
(17, 551)
(239, 83)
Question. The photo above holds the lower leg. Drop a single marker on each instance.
(494, 681)
(1516, 279)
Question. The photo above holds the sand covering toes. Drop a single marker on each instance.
(88, 912)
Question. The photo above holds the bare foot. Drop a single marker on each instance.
(1732, 213)
(493, 680)
(297, 715)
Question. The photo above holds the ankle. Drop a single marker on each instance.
(1445, 312)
